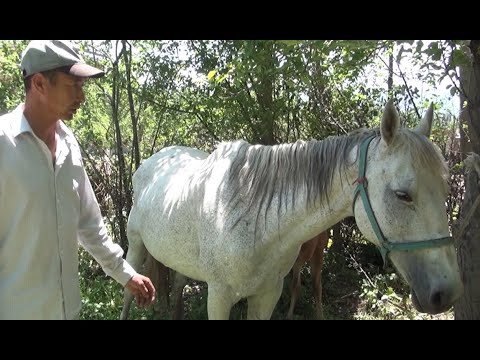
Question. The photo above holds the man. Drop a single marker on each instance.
(47, 203)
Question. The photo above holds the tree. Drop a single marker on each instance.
(468, 226)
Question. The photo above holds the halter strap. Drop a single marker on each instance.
(385, 245)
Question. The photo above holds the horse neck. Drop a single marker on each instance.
(302, 222)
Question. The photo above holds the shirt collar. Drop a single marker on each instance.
(21, 125)
(62, 129)
(19, 122)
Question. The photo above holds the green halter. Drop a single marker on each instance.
(385, 245)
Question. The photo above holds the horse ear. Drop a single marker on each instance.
(390, 122)
(425, 125)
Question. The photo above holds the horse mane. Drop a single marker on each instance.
(260, 171)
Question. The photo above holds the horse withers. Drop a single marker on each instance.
(237, 218)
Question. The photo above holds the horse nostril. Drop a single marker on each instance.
(437, 299)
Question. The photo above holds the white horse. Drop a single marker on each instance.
(237, 218)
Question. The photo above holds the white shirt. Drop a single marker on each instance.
(45, 210)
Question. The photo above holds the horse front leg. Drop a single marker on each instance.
(219, 302)
(179, 283)
(261, 306)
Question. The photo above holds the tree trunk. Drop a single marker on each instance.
(468, 229)
(127, 56)
(468, 241)
(265, 93)
(118, 198)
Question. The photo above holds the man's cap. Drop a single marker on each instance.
(44, 55)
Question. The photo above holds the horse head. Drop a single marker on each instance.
(404, 212)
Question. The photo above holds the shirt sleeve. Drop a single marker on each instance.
(93, 236)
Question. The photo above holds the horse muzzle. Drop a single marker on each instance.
(436, 301)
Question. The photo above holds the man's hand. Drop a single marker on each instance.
(143, 290)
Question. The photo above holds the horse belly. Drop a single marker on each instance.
(173, 240)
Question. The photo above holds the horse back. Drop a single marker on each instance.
(165, 163)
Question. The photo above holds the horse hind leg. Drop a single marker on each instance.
(296, 285)
(127, 301)
(306, 252)
(135, 257)
(316, 265)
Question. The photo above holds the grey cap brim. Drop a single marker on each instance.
(86, 71)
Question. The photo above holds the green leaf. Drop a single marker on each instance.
(290, 42)
(211, 74)
(459, 58)
(223, 77)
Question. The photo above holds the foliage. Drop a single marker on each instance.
(11, 83)
(436, 60)
(279, 91)
(102, 297)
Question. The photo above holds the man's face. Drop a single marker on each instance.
(64, 94)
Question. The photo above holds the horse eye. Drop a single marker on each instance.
(403, 196)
